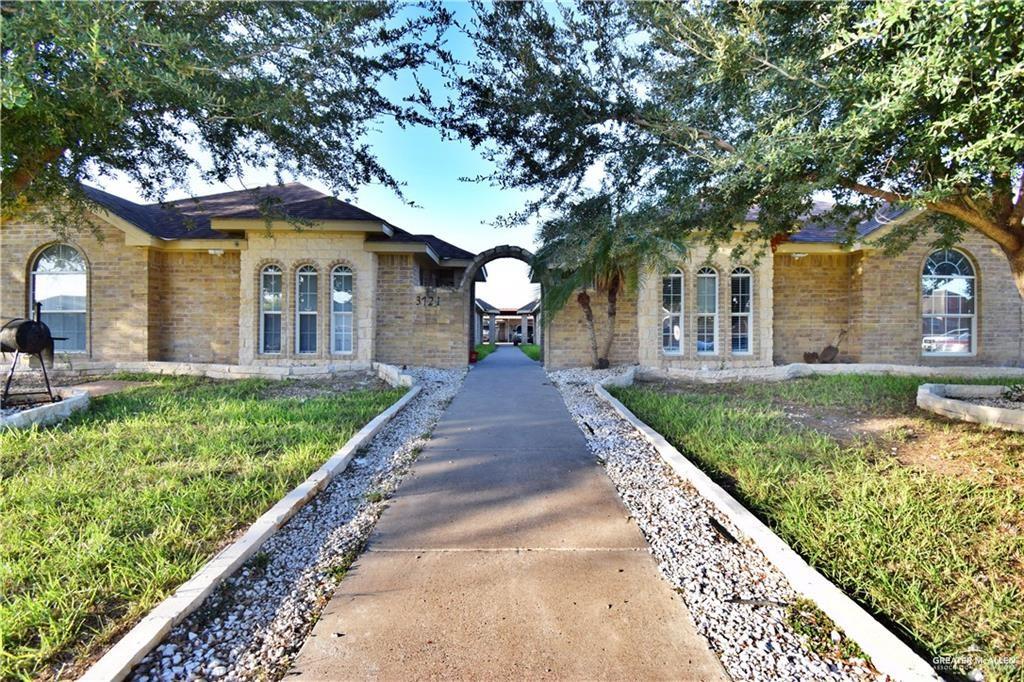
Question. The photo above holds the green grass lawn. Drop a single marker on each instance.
(532, 350)
(483, 350)
(923, 523)
(104, 515)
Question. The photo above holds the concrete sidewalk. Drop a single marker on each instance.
(506, 554)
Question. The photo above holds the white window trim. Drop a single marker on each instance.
(973, 317)
(264, 313)
(83, 311)
(711, 273)
(351, 314)
(681, 346)
(307, 269)
(746, 272)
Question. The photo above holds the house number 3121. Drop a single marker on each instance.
(429, 301)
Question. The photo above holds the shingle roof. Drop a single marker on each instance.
(821, 225)
(486, 307)
(190, 218)
(530, 307)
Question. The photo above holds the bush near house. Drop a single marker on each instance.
(104, 515)
(918, 518)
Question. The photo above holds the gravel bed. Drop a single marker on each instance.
(1004, 403)
(736, 597)
(255, 622)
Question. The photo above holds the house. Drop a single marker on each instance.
(313, 282)
(502, 324)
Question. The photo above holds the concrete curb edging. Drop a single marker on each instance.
(72, 400)
(942, 399)
(888, 653)
(119, 660)
(799, 370)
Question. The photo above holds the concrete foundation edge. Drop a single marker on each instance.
(72, 400)
(888, 653)
(119, 660)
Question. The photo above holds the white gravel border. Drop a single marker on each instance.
(887, 652)
(216, 579)
(72, 400)
(736, 596)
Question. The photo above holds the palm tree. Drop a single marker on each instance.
(592, 248)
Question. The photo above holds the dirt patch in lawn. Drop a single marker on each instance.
(341, 382)
(918, 440)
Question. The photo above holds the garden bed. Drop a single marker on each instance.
(919, 519)
(106, 513)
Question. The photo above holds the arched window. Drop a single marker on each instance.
(270, 309)
(59, 284)
(740, 309)
(948, 310)
(306, 309)
(672, 312)
(341, 310)
(707, 311)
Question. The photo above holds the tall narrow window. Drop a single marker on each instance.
(948, 310)
(672, 312)
(59, 284)
(707, 311)
(270, 309)
(305, 309)
(341, 310)
(740, 296)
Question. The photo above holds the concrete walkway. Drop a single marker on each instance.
(506, 554)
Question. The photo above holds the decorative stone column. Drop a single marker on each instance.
(493, 328)
(526, 327)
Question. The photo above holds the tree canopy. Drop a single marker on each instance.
(90, 87)
(694, 112)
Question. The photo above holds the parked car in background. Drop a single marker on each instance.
(955, 341)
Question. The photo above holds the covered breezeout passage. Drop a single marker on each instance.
(490, 324)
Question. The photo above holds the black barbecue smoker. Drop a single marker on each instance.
(28, 337)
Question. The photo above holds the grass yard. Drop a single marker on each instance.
(483, 350)
(532, 350)
(919, 518)
(104, 515)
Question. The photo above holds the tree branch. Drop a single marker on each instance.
(26, 171)
(1006, 239)
(891, 197)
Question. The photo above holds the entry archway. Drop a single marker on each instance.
(468, 285)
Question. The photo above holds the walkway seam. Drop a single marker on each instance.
(453, 550)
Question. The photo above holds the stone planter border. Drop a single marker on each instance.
(72, 400)
(888, 653)
(943, 399)
(118, 661)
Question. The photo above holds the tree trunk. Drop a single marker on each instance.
(26, 171)
(583, 298)
(613, 298)
(1017, 269)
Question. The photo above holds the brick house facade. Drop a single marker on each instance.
(322, 283)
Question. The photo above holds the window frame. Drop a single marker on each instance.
(336, 271)
(314, 313)
(680, 345)
(744, 272)
(84, 312)
(973, 352)
(264, 271)
(706, 272)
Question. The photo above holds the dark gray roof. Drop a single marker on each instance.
(190, 218)
(486, 307)
(824, 225)
(443, 249)
(530, 307)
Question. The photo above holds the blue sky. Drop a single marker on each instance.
(430, 168)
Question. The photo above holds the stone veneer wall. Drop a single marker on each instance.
(291, 250)
(886, 306)
(812, 305)
(419, 325)
(193, 306)
(566, 340)
(649, 315)
(117, 320)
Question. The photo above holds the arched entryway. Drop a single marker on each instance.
(468, 285)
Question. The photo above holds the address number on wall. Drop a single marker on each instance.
(428, 301)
